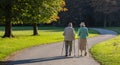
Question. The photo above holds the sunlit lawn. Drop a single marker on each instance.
(108, 52)
(24, 39)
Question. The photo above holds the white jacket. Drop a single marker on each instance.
(69, 34)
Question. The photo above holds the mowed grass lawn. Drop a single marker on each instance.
(24, 39)
(108, 52)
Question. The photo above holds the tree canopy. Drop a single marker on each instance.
(92, 12)
(40, 11)
(29, 11)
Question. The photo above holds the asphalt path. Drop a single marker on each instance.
(50, 54)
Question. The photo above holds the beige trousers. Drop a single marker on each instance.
(82, 43)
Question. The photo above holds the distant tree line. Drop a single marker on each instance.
(103, 13)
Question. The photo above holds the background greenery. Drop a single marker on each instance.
(108, 52)
(24, 38)
(93, 12)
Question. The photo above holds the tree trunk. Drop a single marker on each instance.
(105, 20)
(8, 24)
(8, 29)
(110, 20)
(35, 29)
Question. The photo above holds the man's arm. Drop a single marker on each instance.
(64, 33)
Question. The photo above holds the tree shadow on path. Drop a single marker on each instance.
(33, 60)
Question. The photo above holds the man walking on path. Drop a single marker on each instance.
(69, 36)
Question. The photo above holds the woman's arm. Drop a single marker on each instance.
(79, 32)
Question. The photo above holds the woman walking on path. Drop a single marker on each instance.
(82, 41)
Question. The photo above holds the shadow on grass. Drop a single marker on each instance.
(3, 62)
(33, 60)
(53, 29)
(1, 36)
(50, 29)
(17, 28)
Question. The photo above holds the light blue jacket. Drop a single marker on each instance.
(83, 32)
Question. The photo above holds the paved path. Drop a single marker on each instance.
(51, 54)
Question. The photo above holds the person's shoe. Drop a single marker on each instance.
(66, 55)
(85, 53)
(70, 54)
(81, 55)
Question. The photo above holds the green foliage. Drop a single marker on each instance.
(31, 11)
(105, 6)
(25, 40)
(108, 52)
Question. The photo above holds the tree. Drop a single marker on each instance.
(106, 7)
(47, 12)
(28, 11)
(6, 16)
(77, 11)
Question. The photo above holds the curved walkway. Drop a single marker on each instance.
(51, 54)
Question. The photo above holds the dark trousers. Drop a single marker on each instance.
(68, 47)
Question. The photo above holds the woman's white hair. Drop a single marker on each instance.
(82, 24)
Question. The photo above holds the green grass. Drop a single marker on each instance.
(108, 52)
(24, 39)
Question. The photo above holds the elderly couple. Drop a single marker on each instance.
(69, 36)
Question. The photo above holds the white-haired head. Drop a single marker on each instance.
(82, 24)
(70, 24)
